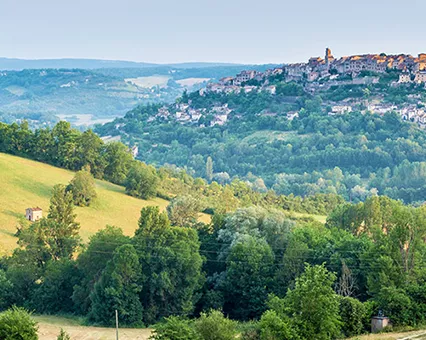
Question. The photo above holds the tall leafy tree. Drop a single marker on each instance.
(117, 289)
(82, 188)
(209, 169)
(183, 211)
(141, 181)
(92, 262)
(313, 305)
(250, 267)
(172, 265)
(54, 293)
(118, 161)
(89, 153)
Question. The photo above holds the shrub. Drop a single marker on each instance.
(63, 335)
(142, 181)
(175, 328)
(352, 313)
(82, 187)
(273, 327)
(16, 323)
(214, 326)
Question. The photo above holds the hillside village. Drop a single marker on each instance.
(317, 76)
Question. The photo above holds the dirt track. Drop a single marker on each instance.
(50, 332)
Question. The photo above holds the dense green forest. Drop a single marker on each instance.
(255, 270)
(252, 271)
(354, 155)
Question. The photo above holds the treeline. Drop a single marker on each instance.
(293, 281)
(71, 149)
(259, 143)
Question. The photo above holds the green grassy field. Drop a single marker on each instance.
(269, 136)
(49, 327)
(25, 183)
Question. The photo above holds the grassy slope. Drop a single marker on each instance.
(25, 183)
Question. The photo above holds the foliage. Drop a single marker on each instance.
(172, 265)
(6, 290)
(313, 305)
(54, 293)
(175, 328)
(248, 278)
(141, 181)
(352, 314)
(117, 289)
(214, 326)
(68, 148)
(275, 327)
(16, 323)
(92, 262)
(183, 211)
(63, 335)
(56, 236)
(354, 155)
(82, 187)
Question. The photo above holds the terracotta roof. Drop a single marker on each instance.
(36, 209)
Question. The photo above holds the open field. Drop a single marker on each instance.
(85, 119)
(149, 82)
(268, 136)
(50, 326)
(25, 183)
(319, 218)
(191, 81)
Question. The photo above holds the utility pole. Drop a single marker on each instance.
(116, 324)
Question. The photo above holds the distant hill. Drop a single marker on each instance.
(70, 63)
(43, 95)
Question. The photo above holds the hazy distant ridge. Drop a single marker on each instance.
(70, 63)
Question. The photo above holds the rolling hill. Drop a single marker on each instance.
(21, 64)
(25, 183)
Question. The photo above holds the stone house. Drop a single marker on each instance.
(404, 78)
(420, 77)
(33, 214)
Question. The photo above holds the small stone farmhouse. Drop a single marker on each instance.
(33, 214)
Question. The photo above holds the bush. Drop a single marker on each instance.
(16, 323)
(272, 327)
(82, 187)
(175, 328)
(63, 335)
(249, 330)
(397, 305)
(141, 181)
(214, 326)
(352, 313)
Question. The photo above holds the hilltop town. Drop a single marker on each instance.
(319, 76)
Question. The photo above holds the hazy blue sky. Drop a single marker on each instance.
(262, 31)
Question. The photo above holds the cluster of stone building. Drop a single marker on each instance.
(184, 113)
(411, 112)
(318, 67)
(413, 70)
